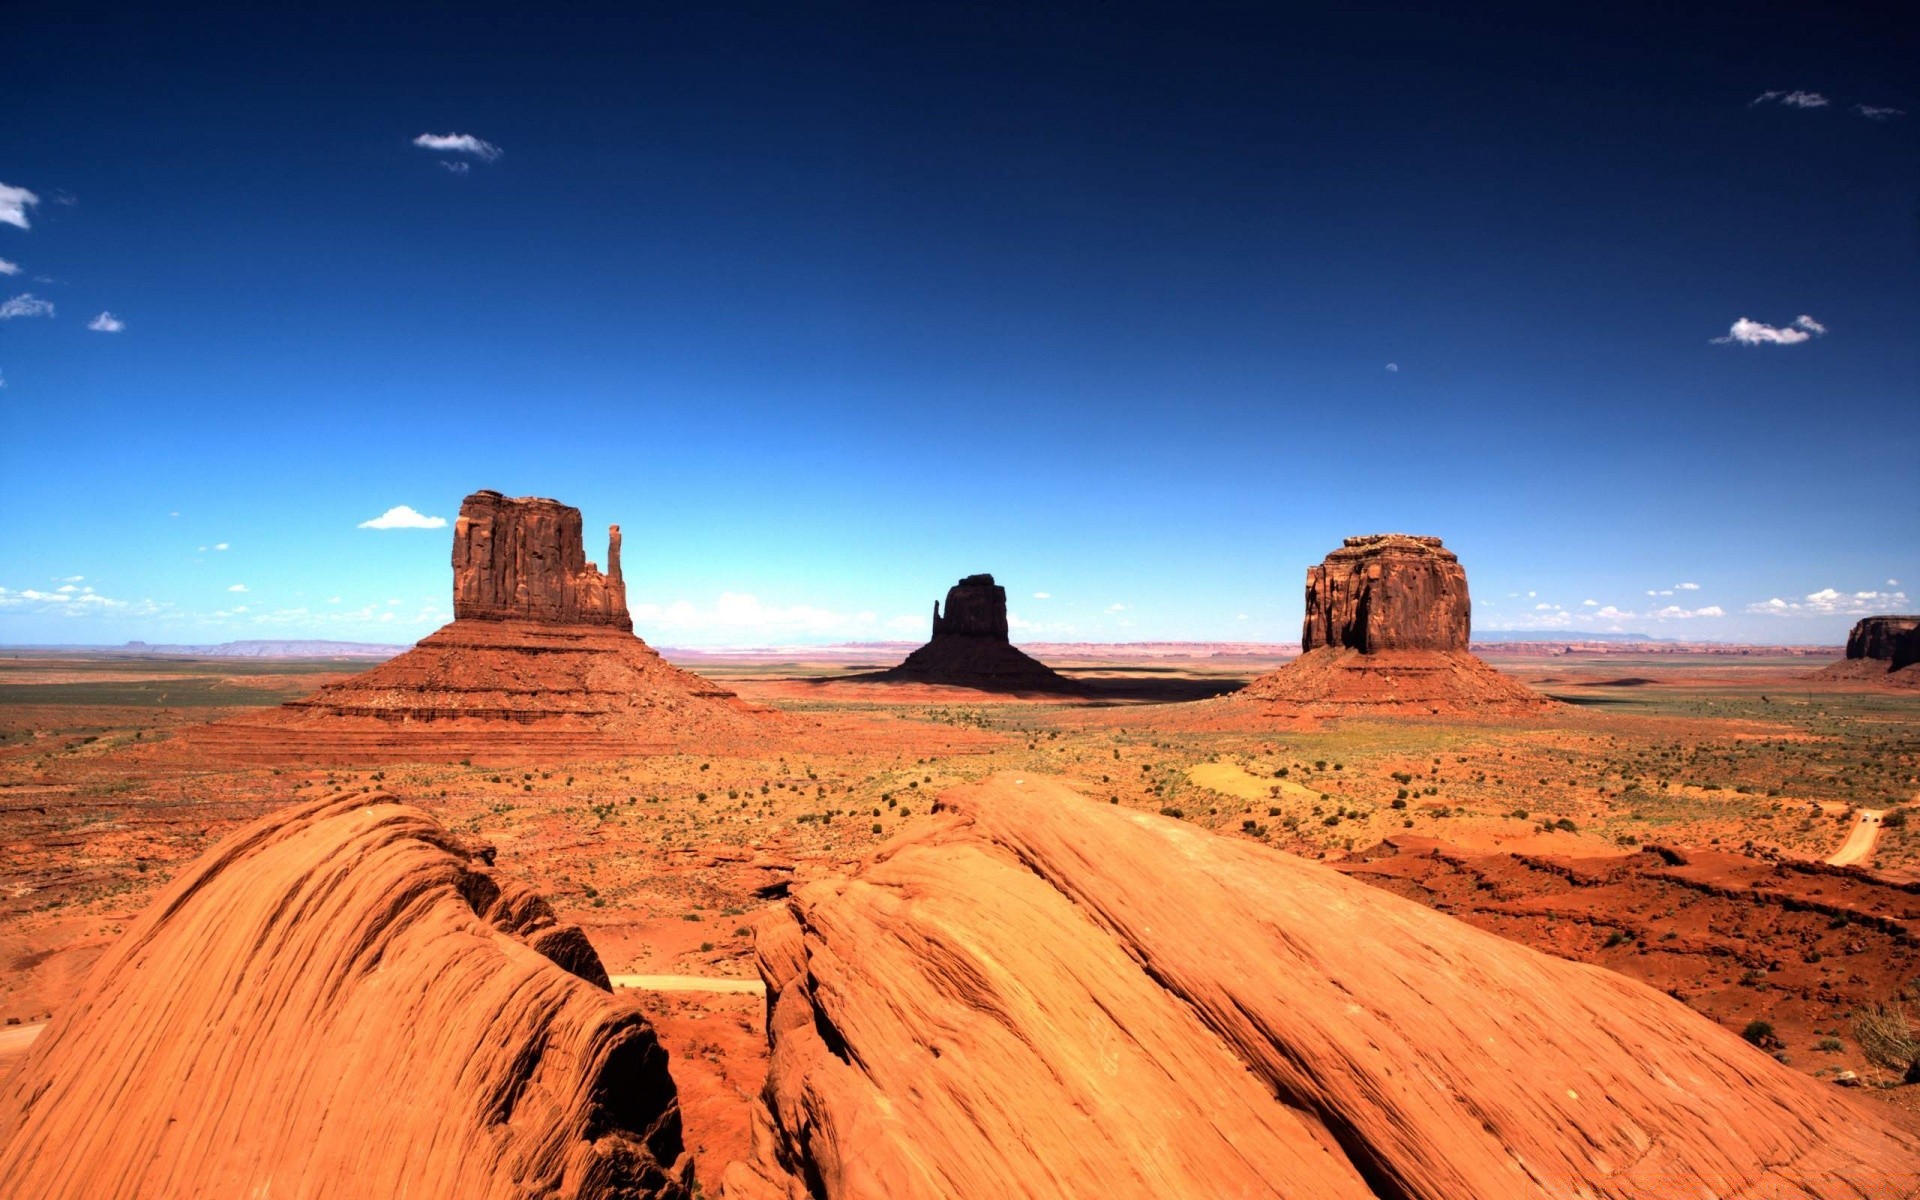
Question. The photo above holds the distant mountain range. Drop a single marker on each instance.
(267, 649)
(1562, 635)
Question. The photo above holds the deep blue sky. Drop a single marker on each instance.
(828, 306)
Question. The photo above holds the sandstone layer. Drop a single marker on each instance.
(1043, 996)
(1388, 618)
(343, 999)
(540, 660)
(970, 647)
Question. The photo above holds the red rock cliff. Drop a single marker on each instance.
(1886, 638)
(976, 607)
(1387, 591)
(523, 559)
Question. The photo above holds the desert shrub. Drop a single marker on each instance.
(1897, 819)
(1566, 824)
(1830, 1045)
(1400, 801)
(1885, 1036)
(1169, 810)
(1617, 937)
(1758, 1032)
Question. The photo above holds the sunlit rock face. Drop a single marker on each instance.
(1388, 591)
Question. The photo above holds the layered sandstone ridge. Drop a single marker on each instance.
(1388, 619)
(1042, 996)
(523, 559)
(1882, 650)
(1388, 591)
(970, 646)
(540, 659)
(343, 999)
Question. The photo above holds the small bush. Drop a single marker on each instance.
(1758, 1032)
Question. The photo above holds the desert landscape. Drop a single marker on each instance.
(717, 859)
(874, 601)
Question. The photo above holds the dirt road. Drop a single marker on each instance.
(1861, 839)
(688, 983)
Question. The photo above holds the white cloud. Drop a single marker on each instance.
(1688, 587)
(1043, 595)
(1114, 608)
(219, 545)
(1793, 99)
(1878, 112)
(14, 203)
(106, 322)
(333, 599)
(1663, 592)
(26, 304)
(458, 168)
(459, 143)
(1830, 602)
(70, 601)
(1589, 604)
(238, 587)
(401, 516)
(9, 268)
(1754, 333)
(1893, 583)
(1394, 367)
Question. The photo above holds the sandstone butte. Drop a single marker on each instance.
(970, 647)
(343, 999)
(540, 659)
(1037, 995)
(1388, 619)
(1881, 650)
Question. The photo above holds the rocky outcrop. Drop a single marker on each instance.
(1880, 637)
(1388, 591)
(1880, 650)
(523, 559)
(540, 659)
(970, 647)
(1387, 624)
(1042, 996)
(344, 999)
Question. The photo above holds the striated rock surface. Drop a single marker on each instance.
(1387, 624)
(343, 999)
(1388, 591)
(539, 659)
(1043, 996)
(970, 646)
(523, 559)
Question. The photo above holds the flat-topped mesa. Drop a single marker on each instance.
(1895, 640)
(976, 607)
(1388, 591)
(522, 558)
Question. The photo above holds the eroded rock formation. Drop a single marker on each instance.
(1388, 591)
(1387, 624)
(523, 559)
(1043, 996)
(1883, 649)
(540, 658)
(344, 999)
(970, 646)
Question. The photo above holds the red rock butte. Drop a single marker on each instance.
(1388, 620)
(1039, 995)
(1882, 649)
(343, 999)
(539, 660)
(970, 647)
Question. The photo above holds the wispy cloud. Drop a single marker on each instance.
(1753, 333)
(26, 304)
(220, 545)
(14, 203)
(402, 516)
(459, 143)
(238, 587)
(1878, 112)
(1790, 99)
(1830, 602)
(106, 322)
(1043, 595)
(456, 166)
(70, 601)
(9, 268)
(1394, 367)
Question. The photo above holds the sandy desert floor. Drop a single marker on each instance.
(1669, 820)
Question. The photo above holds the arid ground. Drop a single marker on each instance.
(1670, 820)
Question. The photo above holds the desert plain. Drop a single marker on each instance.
(1727, 825)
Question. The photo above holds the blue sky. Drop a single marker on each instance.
(1140, 308)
